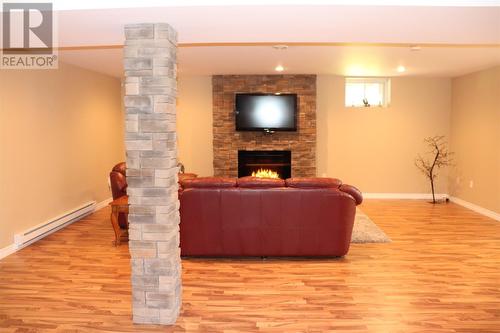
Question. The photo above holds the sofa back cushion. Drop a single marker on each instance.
(313, 182)
(118, 183)
(266, 222)
(208, 182)
(255, 182)
(185, 176)
(121, 168)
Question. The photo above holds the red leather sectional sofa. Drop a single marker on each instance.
(266, 217)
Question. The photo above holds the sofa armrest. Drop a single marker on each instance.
(353, 191)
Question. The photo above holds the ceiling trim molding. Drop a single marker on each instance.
(408, 45)
(338, 44)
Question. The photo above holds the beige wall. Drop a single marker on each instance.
(375, 148)
(372, 148)
(194, 124)
(475, 138)
(60, 133)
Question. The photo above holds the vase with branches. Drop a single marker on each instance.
(440, 157)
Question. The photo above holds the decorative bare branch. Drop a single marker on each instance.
(438, 148)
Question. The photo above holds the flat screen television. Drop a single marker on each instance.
(266, 112)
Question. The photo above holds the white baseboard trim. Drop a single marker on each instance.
(9, 249)
(408, 196)
(428, 196)
(476, 208)
(103, 203)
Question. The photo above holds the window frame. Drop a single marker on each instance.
(386, 90)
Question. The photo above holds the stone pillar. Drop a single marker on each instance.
(151, 145)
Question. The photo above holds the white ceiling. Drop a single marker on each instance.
(293, 23)
(103, 4)
(338, 60)
(455, 40)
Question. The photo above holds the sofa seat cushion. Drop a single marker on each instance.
(208, 182)
(256, 182)
(313, 182)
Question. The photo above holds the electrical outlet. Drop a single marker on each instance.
(323, 175)
(471, 183)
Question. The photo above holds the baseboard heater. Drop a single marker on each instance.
(44, 229)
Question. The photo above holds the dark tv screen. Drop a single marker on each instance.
(255, 112)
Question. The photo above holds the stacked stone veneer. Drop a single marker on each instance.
(150, 95)
(227, 141)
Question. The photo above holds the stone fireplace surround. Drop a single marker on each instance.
(227, 141)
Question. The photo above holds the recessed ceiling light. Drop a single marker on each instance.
(401, 69)
(279, 68)
(415, 48)
(280, 46)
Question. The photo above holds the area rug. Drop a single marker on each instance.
(365, 231)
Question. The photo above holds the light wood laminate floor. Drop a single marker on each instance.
(441, 273)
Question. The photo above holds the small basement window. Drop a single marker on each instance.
(367, 92)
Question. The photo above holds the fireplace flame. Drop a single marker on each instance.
(265, 173)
